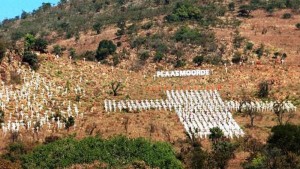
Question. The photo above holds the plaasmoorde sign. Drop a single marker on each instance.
(179, 73)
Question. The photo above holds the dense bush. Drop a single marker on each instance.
(286, 137)
(105, 48)
(144, 55)
(298, 25)
(88, 55)
(286, 15)
(147, 25)
(158, 56)
(115, 152)
(194, 36)
(31, 59)
(57, 50)
(198, 60)
(180, 63)
(2, 49)
(263, 90)
(204, 14)
(40, 45)
(236, 58)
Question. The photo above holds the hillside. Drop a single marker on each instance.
(242, 52)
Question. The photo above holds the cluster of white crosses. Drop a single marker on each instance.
(260, 106)
(36, 104)
(198, 111)
(202, 110)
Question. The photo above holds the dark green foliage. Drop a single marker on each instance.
(88, 55)
(116, 60)
(198, 60)
(24, 15)
(115, 152)
(231, 6)
(194, 36)
(137, 42)
(180, 63)
(72, 53)
(144, 55)
(147, 25)
(31, 59)
(29, 41)
(50, 139)
(158, 56)
(222, 152)
(298, 25)
(15, 151)
(238, 40)
(215, 134)
(249, 45)
(236, 58)
(97, 27)
(105, 48)
(263, 89)
(40, 45)
(204, 14)
(260, 51)
(198, 157)
(70, 121)
(2, 49)
(281, 151)
(57, 50)
(286, 137)
(286, 16)
(1, 117)
(119, 44)
(132, 29)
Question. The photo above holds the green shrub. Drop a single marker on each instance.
(116, 60)
(2, 50)
(57, 50)
(260, 51)
(263, 90)
(231, 6)
(285, 137)
(105, 48)
(1, 117)
(137, 42)
(97, 27)
(72, 53)
(236, 58)
(180, 63)
(40, 45)
(29, 41)
(286, 15)
(88, 55)
(249, 45)
(144, 55)
(198, 60)
(116, 152)
(194, 36)
(31, 59)
(70, 121)
(298, 25)
(147, 25)
(158, 56)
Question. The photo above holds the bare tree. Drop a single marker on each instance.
(280, 110)
(116, 86)
(247, 110)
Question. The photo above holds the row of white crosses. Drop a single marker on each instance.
(197, 110)
(136, 105)
(34, 105)
(260, 106)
